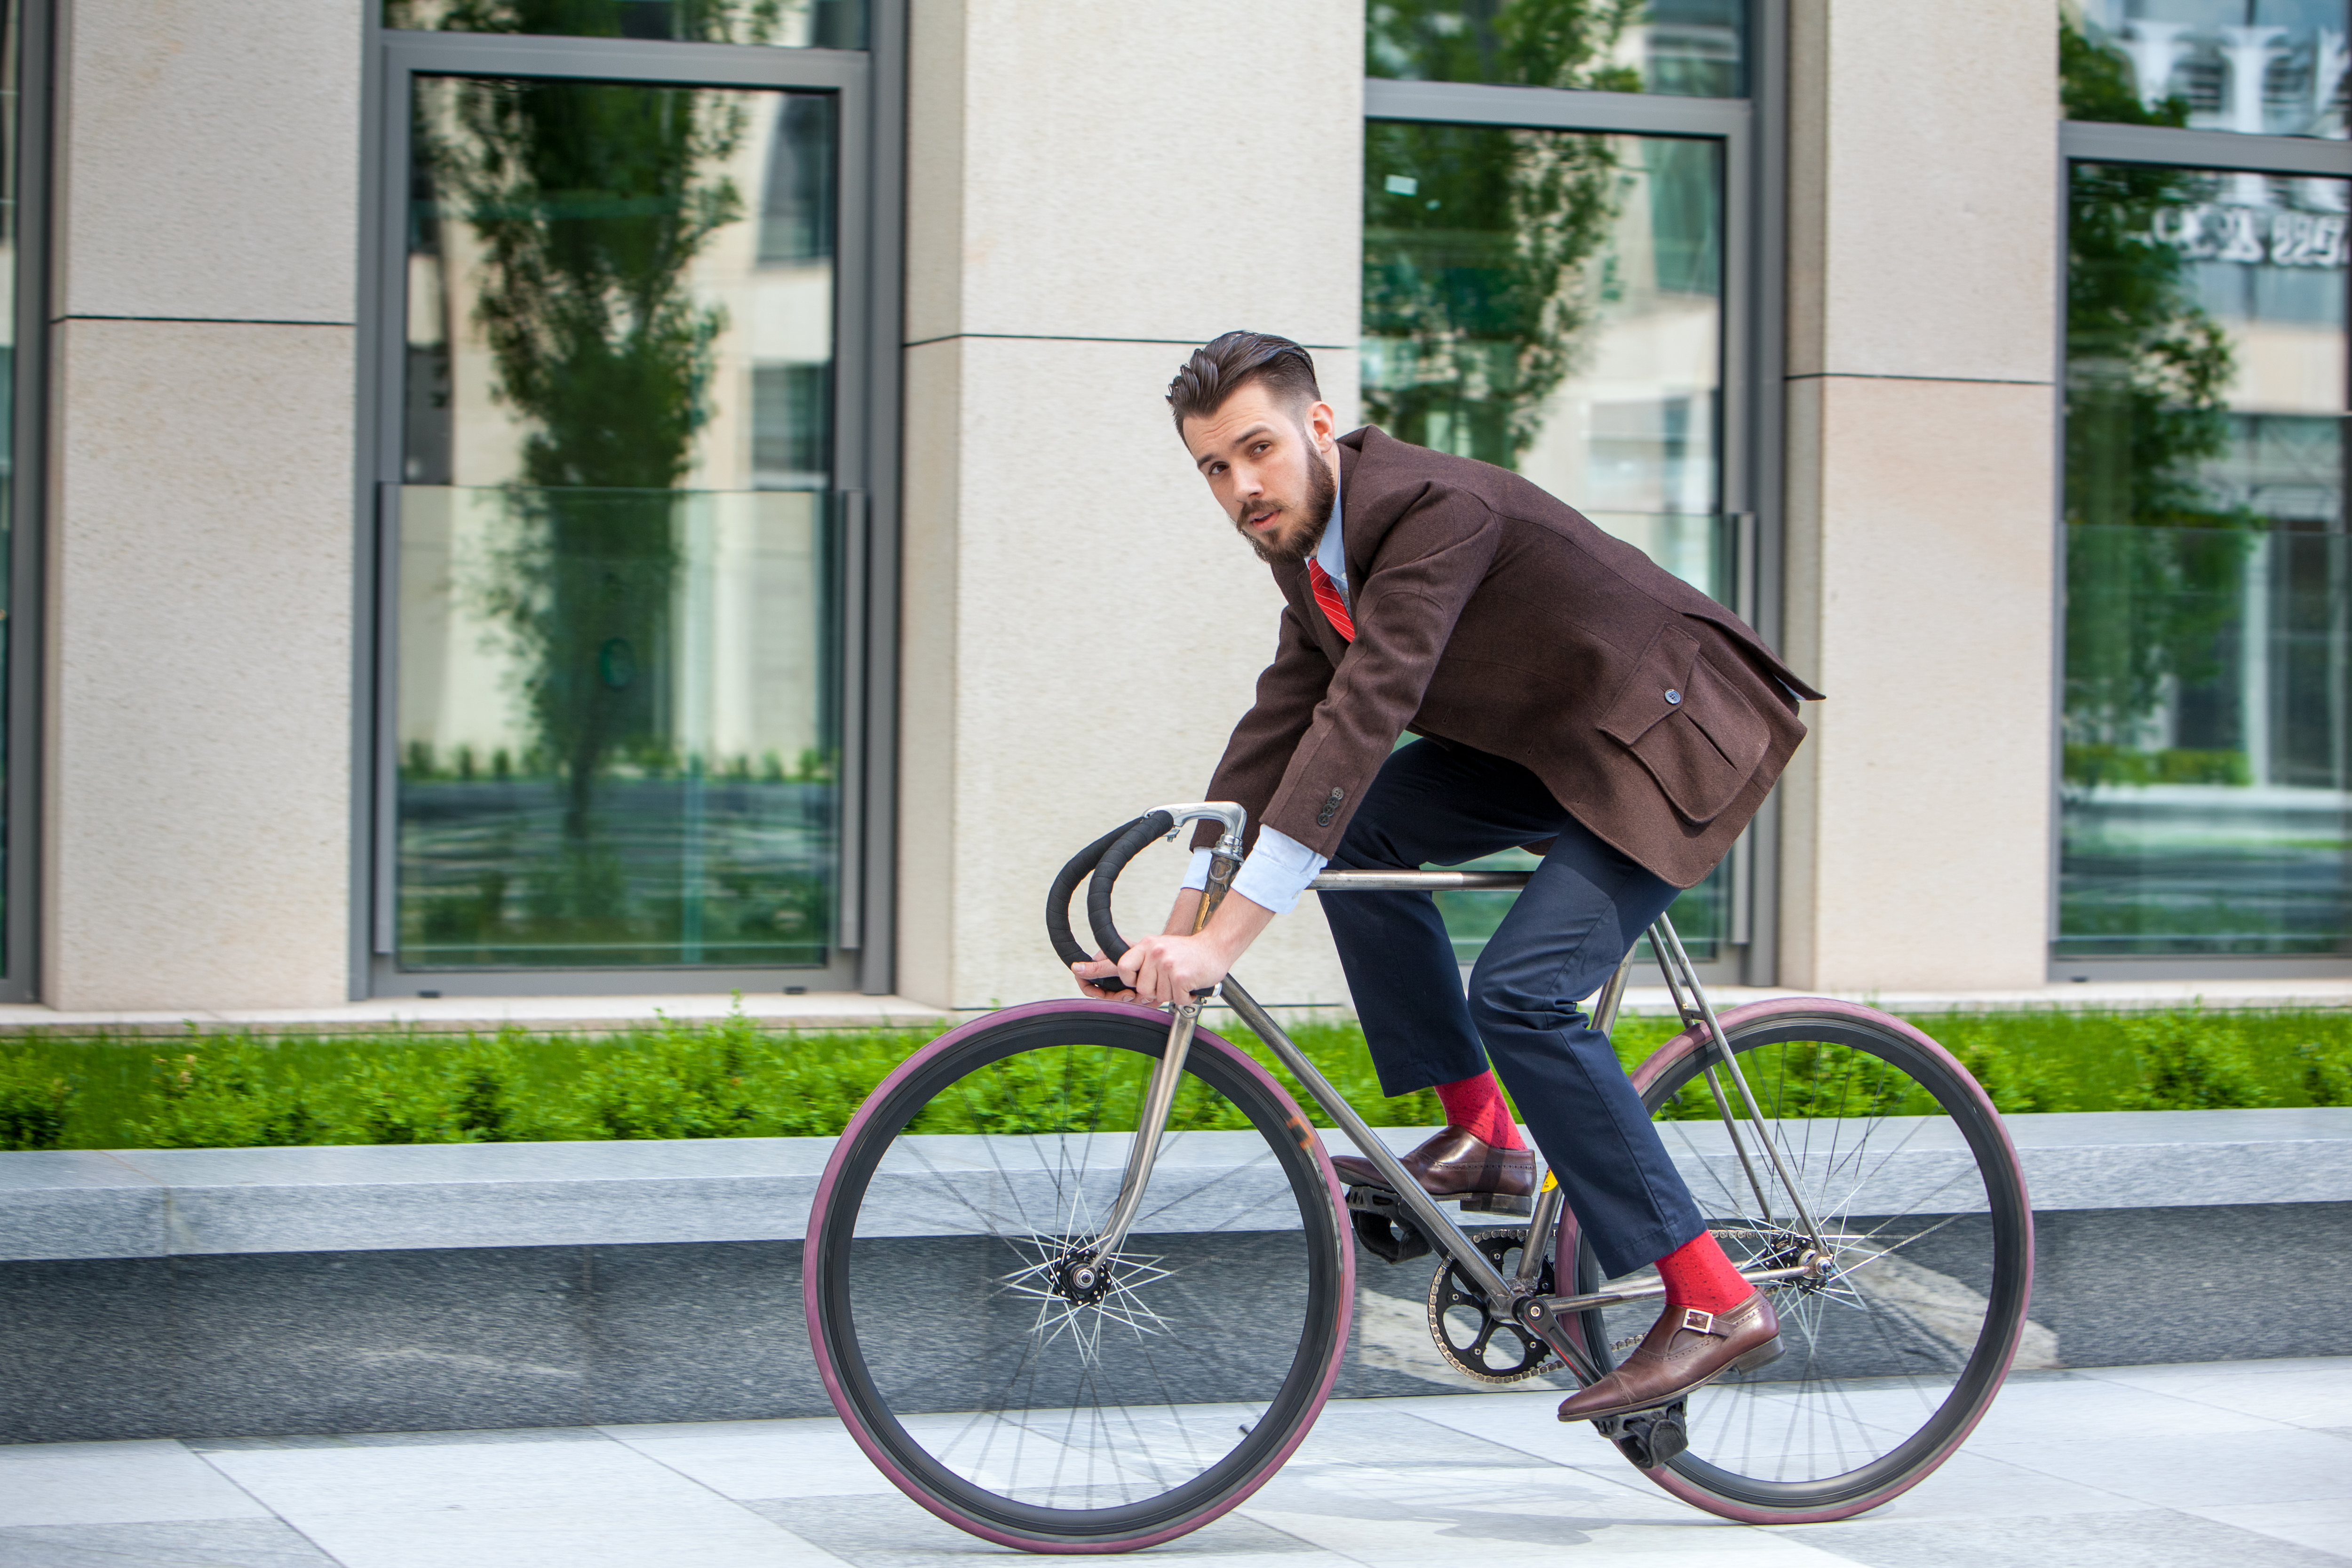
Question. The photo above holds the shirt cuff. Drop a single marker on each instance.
(1197, 879)
(1276, 872)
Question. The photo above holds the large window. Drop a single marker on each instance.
(626, 425)
(2206, 714)
(1558, 279)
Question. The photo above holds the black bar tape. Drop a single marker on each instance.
(1140, 832)
(1057, 903)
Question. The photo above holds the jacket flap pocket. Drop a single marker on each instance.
(1705, 755)
(1655, 688)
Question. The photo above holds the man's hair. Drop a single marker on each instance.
(1223, 367)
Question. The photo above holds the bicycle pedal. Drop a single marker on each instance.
(1384, 1226)
(1649, 1438)
(1497, 1203)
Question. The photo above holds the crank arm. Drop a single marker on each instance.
(1534, 1314)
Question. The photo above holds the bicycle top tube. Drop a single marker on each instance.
(1415, 881)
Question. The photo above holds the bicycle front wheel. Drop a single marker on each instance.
(1895, 1352)
(954, 1341)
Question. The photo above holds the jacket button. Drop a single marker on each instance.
(1674, 698)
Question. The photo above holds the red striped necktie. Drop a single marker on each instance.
(1335, 608)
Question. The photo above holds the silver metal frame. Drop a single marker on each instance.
(1754, 133)
(871, 84)
(1516, 1298)
(2093, 141)
(1513, 1297)
(20, 956)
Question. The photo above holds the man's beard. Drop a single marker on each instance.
(1298, 542)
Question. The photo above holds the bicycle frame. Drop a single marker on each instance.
(1514, 1298)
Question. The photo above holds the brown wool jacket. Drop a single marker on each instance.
(1489, 613)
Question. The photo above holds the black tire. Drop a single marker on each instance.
(1888, 1365)
(1013, 1410)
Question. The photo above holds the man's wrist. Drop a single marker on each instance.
(1236, 924)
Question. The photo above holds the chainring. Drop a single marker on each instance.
(1471, 1339)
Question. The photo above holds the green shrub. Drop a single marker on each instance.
(678, 1085)
(33, 1102)
(2190, 1062)
(233, 1096)
(432, 1095)
(2017, 1081)
(2327, 1071)
(731, 1077)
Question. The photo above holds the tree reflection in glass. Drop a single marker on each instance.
(1552, 302)
(792, 24)
(615, 656)
(2203, 781)
(1690, 47)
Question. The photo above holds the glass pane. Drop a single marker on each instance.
(1552, 302)
(2270, 68)
(1694, 47)
(788, 23)
(617, 616)
(2209, 623)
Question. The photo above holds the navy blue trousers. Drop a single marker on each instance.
(1583, 908)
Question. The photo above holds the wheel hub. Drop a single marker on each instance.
(1081, 1279)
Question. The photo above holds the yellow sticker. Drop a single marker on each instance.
(1550, 1181)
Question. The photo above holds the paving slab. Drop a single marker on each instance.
(2117, 1468)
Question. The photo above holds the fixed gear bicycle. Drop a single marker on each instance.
(1079, 1278)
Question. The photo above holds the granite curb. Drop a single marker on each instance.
(161, 1202)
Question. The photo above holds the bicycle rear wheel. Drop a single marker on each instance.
(961, 1357)
(1892, 1360)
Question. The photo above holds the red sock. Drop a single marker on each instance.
(1476, 1106)
(1698, 1275)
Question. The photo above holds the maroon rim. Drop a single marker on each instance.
(1690, 1039)
(1300, 1128)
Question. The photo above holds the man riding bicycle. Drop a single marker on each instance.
(1569, 695)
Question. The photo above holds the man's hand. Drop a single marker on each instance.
(1165, 969)
(1170, 967)
(1097, 968)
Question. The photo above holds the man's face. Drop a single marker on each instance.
(1270, 468)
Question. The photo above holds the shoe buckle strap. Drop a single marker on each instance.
(1698, 1322)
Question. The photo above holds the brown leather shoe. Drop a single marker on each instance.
(1449, 1166)
(1685, 1349)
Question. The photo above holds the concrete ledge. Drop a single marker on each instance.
(456, 1014)
(848, 1010)
(2085, 997)
(160, 1203)
(268, 1291)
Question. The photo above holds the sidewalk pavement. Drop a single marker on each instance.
(2230, 1462)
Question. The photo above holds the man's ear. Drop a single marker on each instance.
(1322, 423)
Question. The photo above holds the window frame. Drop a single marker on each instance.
(2218, 152)
(25, 760)
(870, 86)
(1753, 133)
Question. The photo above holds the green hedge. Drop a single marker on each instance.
(731, 1077)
